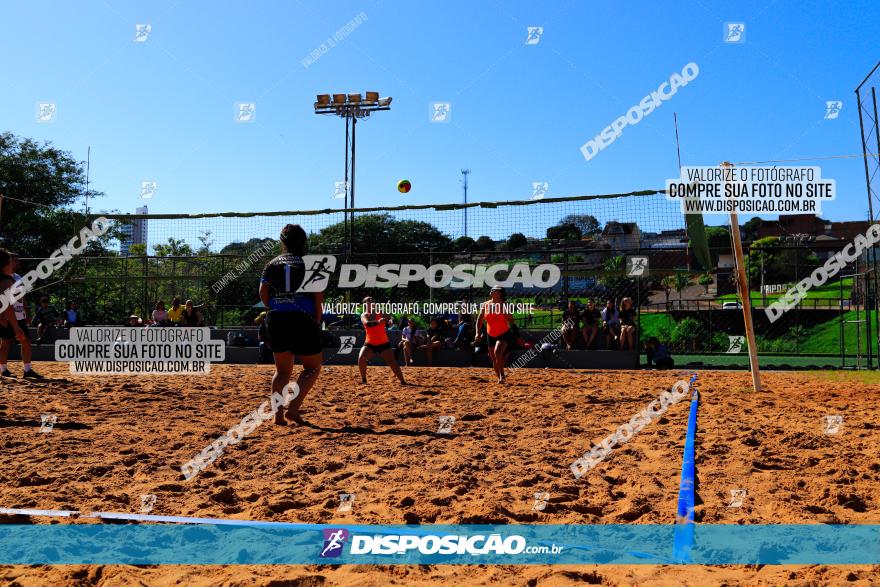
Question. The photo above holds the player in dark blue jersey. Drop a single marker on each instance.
(294, 320)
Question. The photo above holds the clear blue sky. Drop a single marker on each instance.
(163, 109)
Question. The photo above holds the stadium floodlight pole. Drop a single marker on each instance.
(351, 107)
(745, 296)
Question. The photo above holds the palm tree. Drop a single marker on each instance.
(682, 280)
(613, 264)
(705, 280)
(667, 283)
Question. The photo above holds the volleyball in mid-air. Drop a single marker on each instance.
(403, 186)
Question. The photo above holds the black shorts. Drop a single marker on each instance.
(378, 348)
(24, 325)
(294, 332)
(6, 333)
(506, 337)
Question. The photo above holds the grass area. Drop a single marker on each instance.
(820, 339)
(768, 361)
(825, 337)
(866, 377)
(827, 291)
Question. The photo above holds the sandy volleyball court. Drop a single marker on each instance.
(117, 438)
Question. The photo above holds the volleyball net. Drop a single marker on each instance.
(220, 233)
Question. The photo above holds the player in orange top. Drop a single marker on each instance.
(377, 341)
(498, 330)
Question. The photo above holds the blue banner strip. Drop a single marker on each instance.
(160, 544)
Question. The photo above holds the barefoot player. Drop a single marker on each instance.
(21, 316)
(377, 341)
(499, 331)
(294, 319)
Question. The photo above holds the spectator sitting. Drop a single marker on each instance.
(658, 354)
(192, 316)
(408, 341)
(160, 314)
(71, 315)
(571, 323)
(610, 324)
(591, 317)
(627, 324)
(175, 312)
(436, 340)
(45, 319)
(134, 321)
(463, 333)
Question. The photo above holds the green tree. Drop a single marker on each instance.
(382, 233)
(246, 248)
(564, 232)
(137, 250)
(751, 228)
(718, 238)
(682, 280)
(705, 280)
(517, 241)
(613, 264)
(484, 243)
(41, 184)
(205, 239)
(781, 262)
(667, 283)
(173, 248)
(586, 224)
(464, 243)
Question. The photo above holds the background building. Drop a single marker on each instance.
(135, 232)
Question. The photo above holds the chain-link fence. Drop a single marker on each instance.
(697, 314)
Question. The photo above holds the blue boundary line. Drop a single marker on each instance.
(684, 515)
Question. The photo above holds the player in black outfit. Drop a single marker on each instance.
(294, 320)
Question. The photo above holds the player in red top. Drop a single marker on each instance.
(499, 326)
(376, 342)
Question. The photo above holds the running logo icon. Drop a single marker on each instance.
(318, 269)
(346, 345)
(346, 500)
(47, 423)
(734, 32)
(534, 35)
(542, 498)
(736, 344)
(147, 503)
(245, 112)
(833, 424)
(441, 112)
(340, 188)
(446, 423)
(334, 540)
(636, 266)
(540, 189)
(736, 498)
(47, 112)
(148, 189)
(832, 109)
(142, 32)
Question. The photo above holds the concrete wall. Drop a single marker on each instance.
(578, 359)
